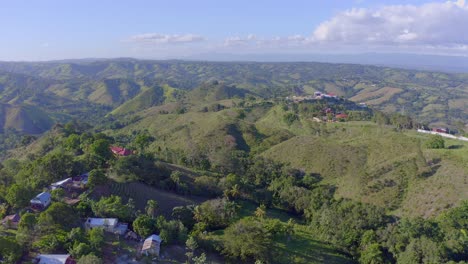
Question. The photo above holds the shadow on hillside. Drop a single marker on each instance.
(455, 147)
(429, 173)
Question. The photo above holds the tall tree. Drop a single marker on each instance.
(151, 208)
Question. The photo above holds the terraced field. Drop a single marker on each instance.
(376, 97)
(141, 193)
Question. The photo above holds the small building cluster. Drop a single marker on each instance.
(316, 96)
(43, 200)
(320, 95)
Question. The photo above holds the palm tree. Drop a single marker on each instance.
(151, 208)
(235, 191)
(260, 212)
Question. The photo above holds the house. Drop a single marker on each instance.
(11, 221)
(119, 151)
(341, 116)
(329, 95)
(111, 225)
(64, 184)
(41, 201)
(441, 130)
(152, 245)
(54, 259)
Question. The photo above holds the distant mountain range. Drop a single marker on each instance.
(90, 90)
(400, 60)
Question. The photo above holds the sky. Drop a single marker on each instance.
(157, 29)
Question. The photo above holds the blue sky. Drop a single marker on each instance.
(53, 29)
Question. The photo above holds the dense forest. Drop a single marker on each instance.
(226, 169)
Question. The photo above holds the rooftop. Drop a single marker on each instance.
(102, 221)
(55, 259)
(43, 197)
(150, 242)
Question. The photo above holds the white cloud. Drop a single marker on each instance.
(262, 42)
(441, 24)
(157, 38)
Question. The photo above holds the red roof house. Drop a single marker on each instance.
(341, 116)
(440, 129)
(123, 152)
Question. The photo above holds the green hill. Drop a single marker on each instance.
(114, 91)
(25, 118)
(367, 162)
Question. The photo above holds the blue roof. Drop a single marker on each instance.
(43, 197)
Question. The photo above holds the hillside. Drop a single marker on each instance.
(367, 162)
(24, 119)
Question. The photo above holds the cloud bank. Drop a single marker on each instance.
(433, 24)
(430, 27)
(157, 38)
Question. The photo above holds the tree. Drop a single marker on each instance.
(72, 142)
(142, 141)
(59, 214)
(215, 213)
(9, 250)
(112, 206)
(144, 226)
(80, 249)
(372, 254)
(260, 212)
(184, 214)
(191, 245)
(89, 259)
(27, 221)
(96, 238)
(436, 142)
(151, 208)
(96, 177)
(247, 239)
(171, 231)
(422, 250)
(57, 194)
(200, 259)
(101, 148)
(17, 196)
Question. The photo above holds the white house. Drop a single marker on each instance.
(54, 259)
(152, 245)
(108, 224)
(41, 201)
(61, 184)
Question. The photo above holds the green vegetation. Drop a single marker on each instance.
(224, 168)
